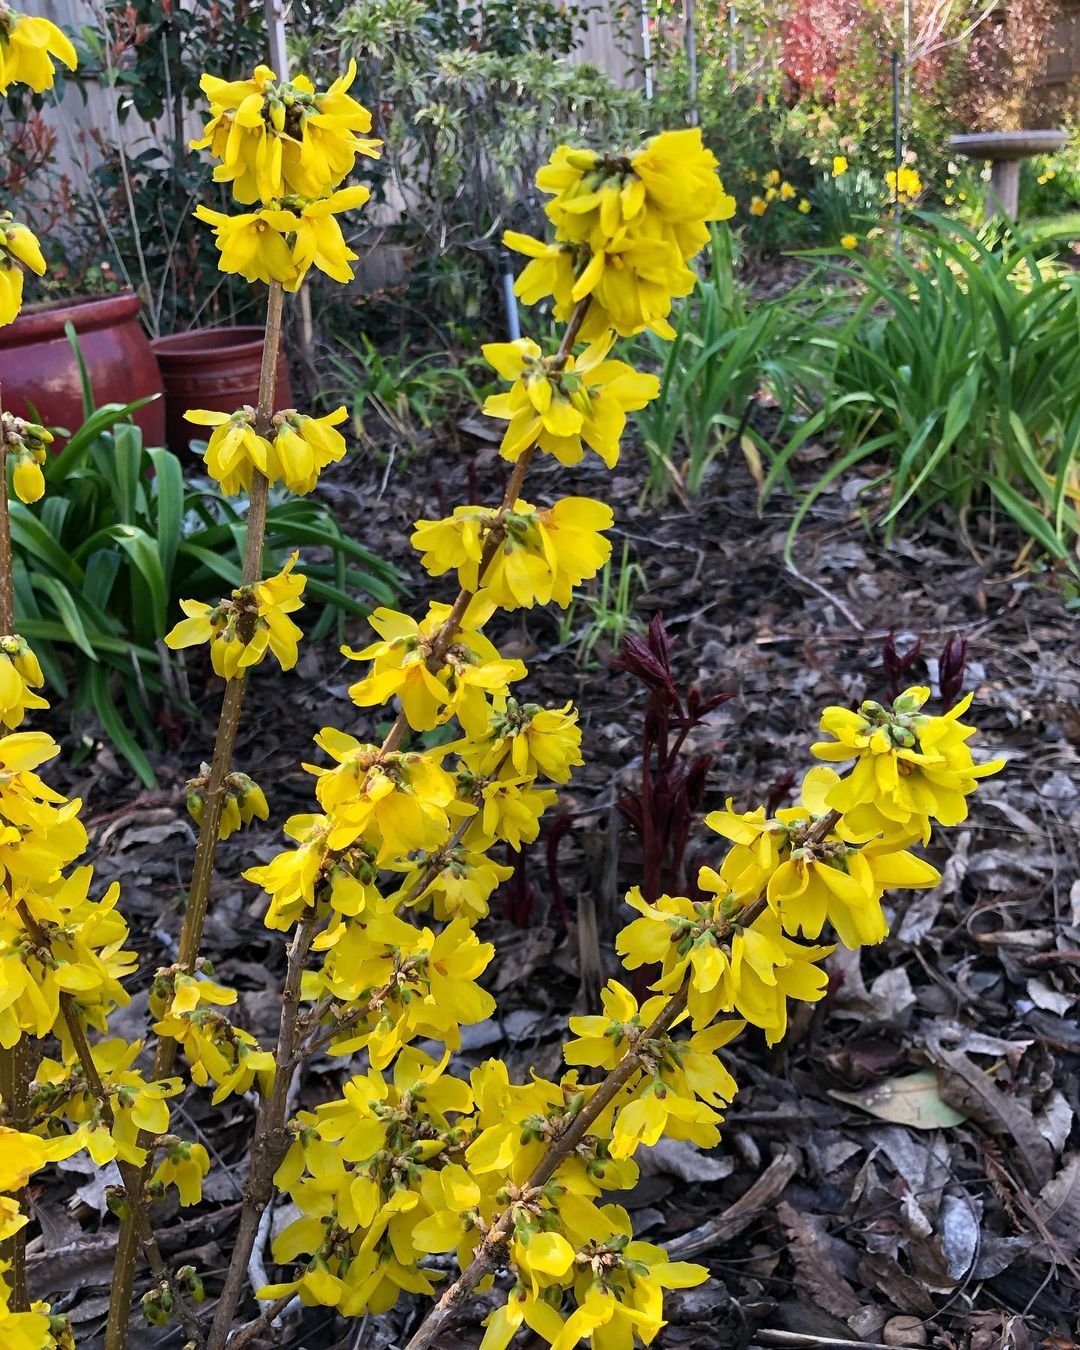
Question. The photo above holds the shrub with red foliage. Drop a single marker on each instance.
(672, 791)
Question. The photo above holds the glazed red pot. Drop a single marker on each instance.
(213, 368)
(38, 369)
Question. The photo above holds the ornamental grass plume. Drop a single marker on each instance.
(381, 887)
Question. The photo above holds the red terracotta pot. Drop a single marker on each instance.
(38, 366)
(214, 368)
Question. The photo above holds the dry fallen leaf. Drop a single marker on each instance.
(914, 1100)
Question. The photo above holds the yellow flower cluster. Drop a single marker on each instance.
(411, 1160)
(28, 47)
(285, 146)
(904, 184)
(775, 188)
(19, 248)
(420, 1161)
(242, 629)
(562, 406)
(63, 962)
(294, 454)
(25, 446)
(626, 227)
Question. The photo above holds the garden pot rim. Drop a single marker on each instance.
(46, 319)
(196, 344)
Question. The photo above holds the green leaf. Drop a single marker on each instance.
(169, 499)
(58, 467)
(1025, 515)
(116, 728)
(84, 374)
(30, 537)
(67, 610)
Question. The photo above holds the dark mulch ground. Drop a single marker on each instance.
(836, 1209)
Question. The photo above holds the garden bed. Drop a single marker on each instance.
(832, 1210)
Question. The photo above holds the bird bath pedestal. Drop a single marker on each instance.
(1005, 150)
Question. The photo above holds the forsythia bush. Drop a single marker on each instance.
(383, 884)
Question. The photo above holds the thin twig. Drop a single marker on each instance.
(245, 1335)
(271, 1138)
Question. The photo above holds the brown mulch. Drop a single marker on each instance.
(904, 1169)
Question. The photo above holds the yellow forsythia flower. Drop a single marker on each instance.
(244, 802)
(252, 248)
(184, 1167)
(637, 218)
(545, 553)
(396, 801)
(26, 444)
(762, 971)
(283, 138)
(281, 243)
(318, 241)
(17, 246)
(910, 768)
(905, 185)
(302, 447)
(235, 450)
(470, 672)
(20, 674)
(27, 46)
(561, 408)
(242, 629)
(525, 739)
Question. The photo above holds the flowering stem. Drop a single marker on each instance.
(14, 1062)
(489, 1252)
(132, 1176)
(271, 1139)
(202, 871)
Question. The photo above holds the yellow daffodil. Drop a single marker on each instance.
(839, 166)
